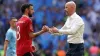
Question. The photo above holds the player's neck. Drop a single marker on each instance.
(13, 28)
(25, 14)
(71, 13)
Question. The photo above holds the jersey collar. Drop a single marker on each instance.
(25, 16)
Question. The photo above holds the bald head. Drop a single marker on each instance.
(70, 7)
(71, 4)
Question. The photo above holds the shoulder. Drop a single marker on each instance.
(9, 31)
(25, 20)
(78, 17)
(79, 20)
(28, 20)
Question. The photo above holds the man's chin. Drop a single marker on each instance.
(30, 15)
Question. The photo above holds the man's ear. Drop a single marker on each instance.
(26, 10)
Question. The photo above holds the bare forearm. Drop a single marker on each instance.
(5, 47)
(38, 33)
(33, 35)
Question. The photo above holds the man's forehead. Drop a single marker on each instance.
(31, 6)
(66, 5)
(14, 19)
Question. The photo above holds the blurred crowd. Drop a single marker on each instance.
(51, 13)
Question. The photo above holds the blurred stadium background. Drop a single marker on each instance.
(51, 13)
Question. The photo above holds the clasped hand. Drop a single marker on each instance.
(51, 30)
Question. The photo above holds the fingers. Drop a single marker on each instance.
(45, 28)
(54, 30)
(50, 30)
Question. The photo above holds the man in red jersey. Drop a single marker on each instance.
(25, 32)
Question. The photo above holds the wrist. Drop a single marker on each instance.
(57, 31)
(42, 31)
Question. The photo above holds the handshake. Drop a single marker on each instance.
(51, 30)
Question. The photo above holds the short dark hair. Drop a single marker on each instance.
(24, 6)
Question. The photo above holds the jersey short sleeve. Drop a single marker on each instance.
(8, 36)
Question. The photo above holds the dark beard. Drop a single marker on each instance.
(30, 15)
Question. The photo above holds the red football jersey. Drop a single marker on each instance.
(24, 42)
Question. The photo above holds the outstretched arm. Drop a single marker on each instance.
(70, 31)
(33, 35)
